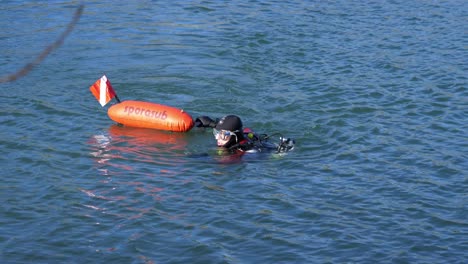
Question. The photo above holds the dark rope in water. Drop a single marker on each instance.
(28, 67)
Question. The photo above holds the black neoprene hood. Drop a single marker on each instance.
(229, 122)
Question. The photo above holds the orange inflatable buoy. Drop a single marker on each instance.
(150, 115)
(140, 114)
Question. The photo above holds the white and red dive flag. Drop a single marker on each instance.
(102, 90)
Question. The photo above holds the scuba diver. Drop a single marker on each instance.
(230, 135)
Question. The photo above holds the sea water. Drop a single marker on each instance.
(374, 93)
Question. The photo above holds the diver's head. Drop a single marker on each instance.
(228, 131)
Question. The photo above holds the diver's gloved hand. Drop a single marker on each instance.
(204, 121)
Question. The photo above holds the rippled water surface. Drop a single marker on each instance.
(374, 92)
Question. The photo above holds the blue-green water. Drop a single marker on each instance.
(374, 92)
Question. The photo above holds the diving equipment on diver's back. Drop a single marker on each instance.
(262, 142)
(286, 144)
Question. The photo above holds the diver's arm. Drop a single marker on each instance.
(205, 121)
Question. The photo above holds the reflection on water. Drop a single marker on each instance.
(139, 145)
(134, 165)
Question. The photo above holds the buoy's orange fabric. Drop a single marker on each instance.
(150, 115)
